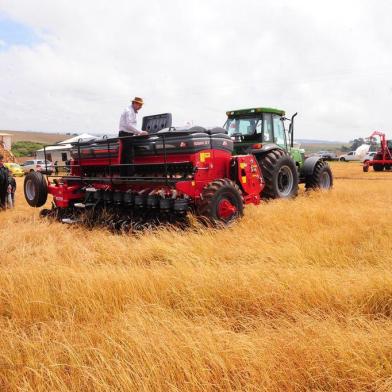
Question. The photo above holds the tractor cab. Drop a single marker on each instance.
(259, 130)
(251, 128)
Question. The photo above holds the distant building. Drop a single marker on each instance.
(6, 141)
(5, 147)
(61, 152)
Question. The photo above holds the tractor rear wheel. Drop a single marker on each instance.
(378, 166)
(221, 202)
(35, 189)
(321, 178)
(280, 175)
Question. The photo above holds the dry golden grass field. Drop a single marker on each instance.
(295, 297)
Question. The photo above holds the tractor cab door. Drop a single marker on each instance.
(268, 132)
(279, 131)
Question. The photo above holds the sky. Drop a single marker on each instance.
(73, 66)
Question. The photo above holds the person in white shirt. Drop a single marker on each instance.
(127, 129)
(128, 121)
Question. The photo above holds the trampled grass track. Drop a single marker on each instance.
(296, 296)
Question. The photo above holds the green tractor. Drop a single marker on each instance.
(262, 132)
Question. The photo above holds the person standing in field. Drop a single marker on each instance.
(4, 184)
(11, 191)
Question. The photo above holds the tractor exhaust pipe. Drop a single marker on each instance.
(291, 130)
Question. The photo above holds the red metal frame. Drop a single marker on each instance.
(384, 151)
(209, 164)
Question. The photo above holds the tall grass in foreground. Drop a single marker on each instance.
(296, 296)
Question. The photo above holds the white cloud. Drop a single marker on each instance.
(2, 43)
(197, 59)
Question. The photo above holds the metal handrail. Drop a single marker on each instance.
(82, 178)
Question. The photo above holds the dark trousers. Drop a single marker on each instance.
(127, 154)
(3, 198)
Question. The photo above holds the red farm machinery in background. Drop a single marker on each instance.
(125, 182)
(382, 160)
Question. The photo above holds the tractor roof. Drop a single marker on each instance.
(255, 110)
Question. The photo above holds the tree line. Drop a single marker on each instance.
(25, 148)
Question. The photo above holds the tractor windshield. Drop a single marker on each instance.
(246, 126)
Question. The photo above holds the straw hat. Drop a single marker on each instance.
(138, 100)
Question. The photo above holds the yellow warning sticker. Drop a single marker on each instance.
(243, 179)
(204, 155)
(243, 165)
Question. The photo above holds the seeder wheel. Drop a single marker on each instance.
(221, 202)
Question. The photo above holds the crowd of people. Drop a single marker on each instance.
(7, 187)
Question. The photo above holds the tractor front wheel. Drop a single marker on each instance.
(221, 202)
(321, 178)
(280, 175)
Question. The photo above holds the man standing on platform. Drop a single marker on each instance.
(128, 127)
(128, 122)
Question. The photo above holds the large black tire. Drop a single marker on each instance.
(321, 178)
(35, 189)
(280, 175)
(378, 167)
(221, 202)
